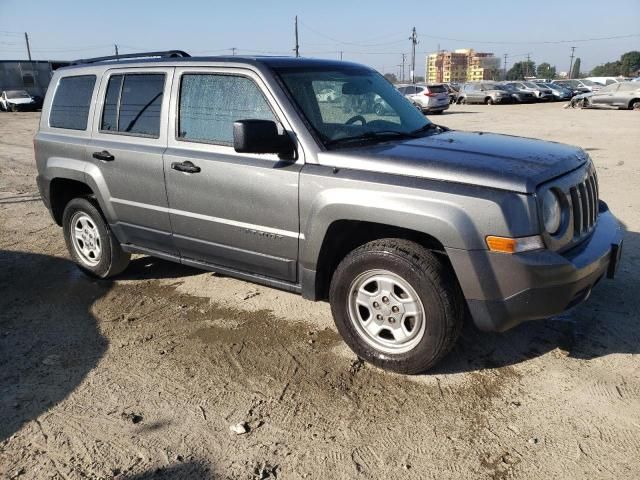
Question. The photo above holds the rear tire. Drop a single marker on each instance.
(634, 104)
(397, 305)
(489, 101)
(91, 243)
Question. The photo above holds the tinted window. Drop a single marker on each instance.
(209, 104)
(140, 103)
(110, 110)
(132, 104)
(437, 89)
(70, 107)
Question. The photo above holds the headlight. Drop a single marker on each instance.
(551, 212)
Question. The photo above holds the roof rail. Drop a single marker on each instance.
(160, 54)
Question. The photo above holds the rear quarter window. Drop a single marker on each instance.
(70, 106)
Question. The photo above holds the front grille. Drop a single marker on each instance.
(584, 202)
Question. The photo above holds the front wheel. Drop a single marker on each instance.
(90, 241)
(635, 105)
(397, 305)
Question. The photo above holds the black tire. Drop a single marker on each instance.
(378, 110)
(113, 260)
(489, 101)
(13, 107)
(635, 104)
(429, 274)
(438, 112)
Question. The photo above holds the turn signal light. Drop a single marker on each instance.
(514, 245)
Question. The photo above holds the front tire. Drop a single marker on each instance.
(397, 305)
(91, 243)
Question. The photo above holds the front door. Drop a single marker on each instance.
(229, 209)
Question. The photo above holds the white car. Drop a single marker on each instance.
(327, 95)
(432, 98)
(15, 100)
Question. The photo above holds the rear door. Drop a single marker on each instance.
(124, 154)
(237, 210)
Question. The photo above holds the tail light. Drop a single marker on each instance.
(430, 94)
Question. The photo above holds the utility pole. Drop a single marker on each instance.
(341, 52)
(115, 47)
(526, 70)
(573, 49)
(233, 51)
(505, 66)
(414, 42)
(26, 39)
(297, 49)
(404, 56)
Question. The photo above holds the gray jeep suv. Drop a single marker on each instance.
(232, 164)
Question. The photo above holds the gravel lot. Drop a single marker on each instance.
(142, 377)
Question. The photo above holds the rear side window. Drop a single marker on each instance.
(210, 103)
(70, 107)
(133, 103)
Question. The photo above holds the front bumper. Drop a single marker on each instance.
(504, 290)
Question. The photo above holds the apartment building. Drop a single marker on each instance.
(463, 65)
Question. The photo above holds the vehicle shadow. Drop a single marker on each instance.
(607, 323)
(152, 268)
(49, 340)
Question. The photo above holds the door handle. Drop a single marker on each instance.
(186, 167)
(104, 156)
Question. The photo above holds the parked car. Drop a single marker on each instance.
(232, 164)
(17, 100)
(583, 86)
(559, 92)
(429, 98)
(606, 80)
(483, 92)
(622, 95)
(327, 95)
(541, 93)
(453, 91)
(518, 96)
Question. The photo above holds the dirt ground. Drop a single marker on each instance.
(143, 376)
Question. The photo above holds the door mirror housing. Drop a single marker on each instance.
(260, 136)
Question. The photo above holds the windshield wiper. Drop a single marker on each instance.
(428, 127)
(374, 135)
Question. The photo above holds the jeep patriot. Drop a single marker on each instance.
(240, 165)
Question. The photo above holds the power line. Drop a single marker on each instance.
(545, 42)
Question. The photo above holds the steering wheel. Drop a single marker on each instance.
(355, 118)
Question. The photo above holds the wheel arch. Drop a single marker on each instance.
(343, 236)
(61, 191)
(632, 101)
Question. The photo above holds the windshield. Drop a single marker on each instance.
(364, 103)
(17, 94)
(530, 84)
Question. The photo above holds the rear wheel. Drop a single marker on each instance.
(634, 104)
(90, 241)
(489, 101)
(397, 305)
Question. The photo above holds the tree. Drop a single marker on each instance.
(545, 70)
(575, 71)
(391, 77)
(521, 70)
(629, 63)
(609, 69)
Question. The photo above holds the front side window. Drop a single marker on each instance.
(368, 107)
(133, 103)
(210, 103)
(70, 107)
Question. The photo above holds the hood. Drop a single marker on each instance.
(498, 161)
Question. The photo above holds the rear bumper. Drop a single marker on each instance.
(504, 290)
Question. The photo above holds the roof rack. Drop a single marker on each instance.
(160, 54)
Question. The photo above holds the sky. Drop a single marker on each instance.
(374, 32)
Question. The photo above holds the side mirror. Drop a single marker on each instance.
(260, 136)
